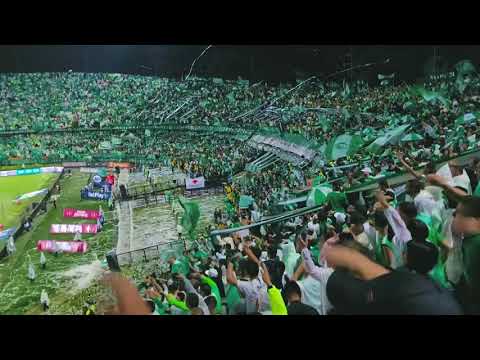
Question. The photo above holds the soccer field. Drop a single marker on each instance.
(11, 187)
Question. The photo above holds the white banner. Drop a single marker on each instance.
(8, 173)
(88, 170)
(74, 164)
(195, 183)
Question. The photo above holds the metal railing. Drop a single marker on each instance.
(149, 253)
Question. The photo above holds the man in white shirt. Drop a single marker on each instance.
(357, 229)
(253, 289)
(320, 274)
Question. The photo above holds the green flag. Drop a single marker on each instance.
(318, 195)
(116, 141)
(105, 145)
(343, 146)
(428, 95)
(391, 136)
(190, 217)
(102, 172)
(245, 201)
(466, 118)
(465, 67)
(412, 137)
(318, 180)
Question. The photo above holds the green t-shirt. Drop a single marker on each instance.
(439, 275)
(160, 307)
(233, 297)
(215, 292)
(379, 253)
(434, 235)
(338, 200)
(181, 266)
(477, 191)
(315, 251)
(471, 261)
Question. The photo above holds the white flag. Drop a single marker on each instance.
(195, 183)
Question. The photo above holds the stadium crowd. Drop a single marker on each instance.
(356, 254)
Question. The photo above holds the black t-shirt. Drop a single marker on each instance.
(396, 293)
(298, 308)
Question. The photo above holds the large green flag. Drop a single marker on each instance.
(318, 195)
(343, 146)
(191, 215)
(245, 201)
(465, 67)
(428, 95)
(105, 145)
(412, 137)
(116, 141)
(390, 137)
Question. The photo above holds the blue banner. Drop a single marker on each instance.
(95, 195)
(4, 235)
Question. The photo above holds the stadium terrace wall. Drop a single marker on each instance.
(162, 127)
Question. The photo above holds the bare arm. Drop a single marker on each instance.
(299, 272)
(129, 300)
(251, 255)
(318, 273)
(407, 167)
(366, 269)
(394, 219)
(231, 277)
(452, 192)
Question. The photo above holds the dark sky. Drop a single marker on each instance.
(251, 62)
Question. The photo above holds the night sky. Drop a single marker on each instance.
(271, 63)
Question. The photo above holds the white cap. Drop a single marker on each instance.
(212, 273)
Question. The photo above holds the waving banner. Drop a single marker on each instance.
(83, 214)
(53, 246)
(73, 228)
